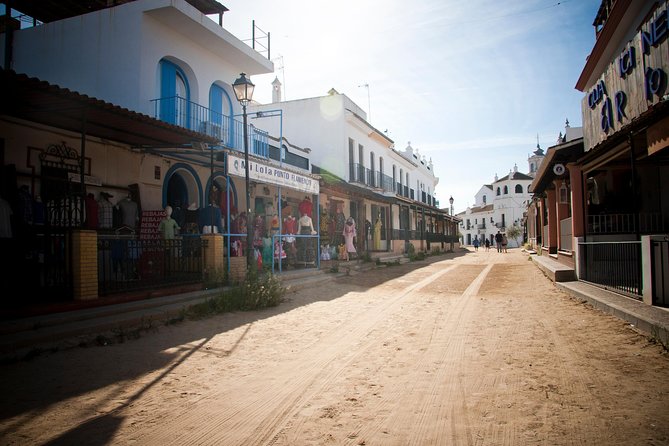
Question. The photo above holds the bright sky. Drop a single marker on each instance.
(470, 83)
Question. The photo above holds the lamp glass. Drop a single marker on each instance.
(243, 89)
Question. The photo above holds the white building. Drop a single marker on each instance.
(395, 186)
(166, 59)
(500, 205)
(116, 102)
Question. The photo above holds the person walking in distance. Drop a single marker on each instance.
(476, 244)
(498, 241)
(505, 242)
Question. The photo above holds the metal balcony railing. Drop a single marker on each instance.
(228, 130)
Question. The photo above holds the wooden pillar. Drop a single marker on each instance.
(84, 265)
(551, 198)
(577, 200)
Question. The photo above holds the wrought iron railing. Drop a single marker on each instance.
(126, 263)
(226, 129)
(615, 265)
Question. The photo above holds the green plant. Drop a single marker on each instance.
(513, 232)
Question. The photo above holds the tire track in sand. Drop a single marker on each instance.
(270, 402)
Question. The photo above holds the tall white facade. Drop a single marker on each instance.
(115, 54)
(498, 206)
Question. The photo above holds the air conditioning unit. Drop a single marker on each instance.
(212, 129)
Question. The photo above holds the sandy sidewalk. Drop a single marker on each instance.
(478, 349)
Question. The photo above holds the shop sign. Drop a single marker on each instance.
(633, 81)
(265, 173)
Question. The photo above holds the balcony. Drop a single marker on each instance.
(360, 174)
(229, 131)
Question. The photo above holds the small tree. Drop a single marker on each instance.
(512, 233)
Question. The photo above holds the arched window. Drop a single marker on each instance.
(498, 191)
(220, 115)
(485, 199)
(506, 190)
(519, 189)
(174, 94)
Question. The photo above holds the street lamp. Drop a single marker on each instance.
(453, 226)
(244, 91)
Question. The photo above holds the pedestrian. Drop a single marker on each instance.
(487, 244)
(505, 242)
(498, 241)
(476, 244)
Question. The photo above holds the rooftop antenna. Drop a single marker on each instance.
(369, 104)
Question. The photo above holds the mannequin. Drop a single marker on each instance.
(305, 208)
(129, 212)
(290, 229)
(258, 230)
(306, 228)
(210, 215)
(275, 224)
(349, 234)
(105, 211)
(168, 227)
(178, 214)
(377, 233)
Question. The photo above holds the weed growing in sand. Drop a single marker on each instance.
(256, 292)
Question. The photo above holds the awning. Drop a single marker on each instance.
(38, 101)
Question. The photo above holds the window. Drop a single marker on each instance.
(506, 190)
(372, 168)
(351, 160)
(174, 94)
(219, 121)
(519, 189)
(485, 199)
(498, 191)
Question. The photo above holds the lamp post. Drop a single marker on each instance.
(244, 91)
(453, 226)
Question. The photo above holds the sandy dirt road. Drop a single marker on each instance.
(473, 349)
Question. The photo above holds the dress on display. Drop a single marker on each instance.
(349, 234)
(305, 248)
